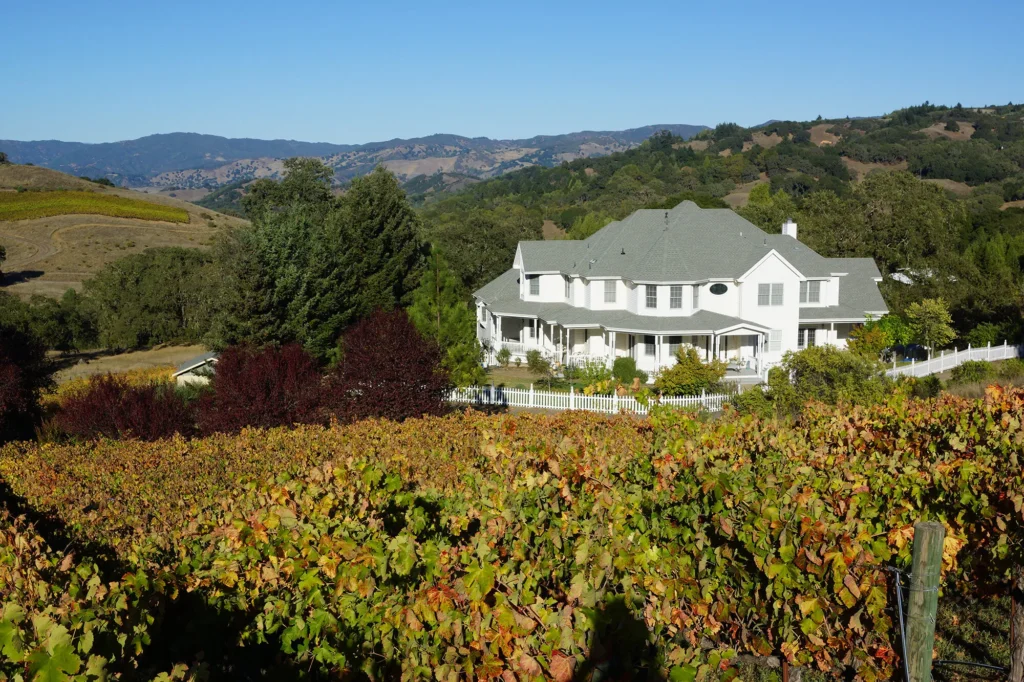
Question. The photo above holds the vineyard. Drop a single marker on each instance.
(509, 546)
(31, 205)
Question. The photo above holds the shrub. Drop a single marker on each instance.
(753, 401)
(24, 373)
(503, 356)
(690, 375)
(388, 370)
(1012, 369)
(971, 372)
(829, 375)
(111, 407)
(926, 387)
(537, 363)
(624, 371)
(262, 387)
(988, 333)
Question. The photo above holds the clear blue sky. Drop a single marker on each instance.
(351, 72)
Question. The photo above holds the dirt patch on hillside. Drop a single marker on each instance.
(766, 141)
(821, 136)
(958, 188)
(1019, 203)
(696, 145)
(725, 152)
(741, 195)
(91, 364)
(590, 172)
(939, 130)
(861, 169)
(551, 230)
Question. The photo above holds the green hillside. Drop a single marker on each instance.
(929, 191)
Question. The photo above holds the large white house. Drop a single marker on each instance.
(643, 286)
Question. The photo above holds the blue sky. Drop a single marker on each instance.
(358, 72)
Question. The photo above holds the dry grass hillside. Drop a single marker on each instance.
(49, 255)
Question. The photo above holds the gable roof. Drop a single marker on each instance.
(858, 292)
(195, 363)
(686, 243)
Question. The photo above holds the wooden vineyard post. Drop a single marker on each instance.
(1017, 627)
(923, 599)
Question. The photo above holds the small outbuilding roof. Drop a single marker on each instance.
(196, 363)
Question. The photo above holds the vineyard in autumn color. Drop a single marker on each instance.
(509, 546)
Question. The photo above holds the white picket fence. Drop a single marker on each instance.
(950, 359)
(491, 396)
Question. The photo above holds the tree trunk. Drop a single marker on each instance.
(1017, 627)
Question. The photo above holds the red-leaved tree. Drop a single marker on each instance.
(111, 407)
(263, 387)
(387, 370)
(24, 372)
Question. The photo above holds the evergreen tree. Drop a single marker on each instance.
(439, 312)
(311, 265)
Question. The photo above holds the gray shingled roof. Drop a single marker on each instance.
(686, 243)
(858, 292)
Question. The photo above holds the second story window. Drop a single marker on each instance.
(534, 281)
(695, 303)
(769, 294)
(675, 296)
(651, 298)
(568, 288)
(609, 291)
(810, 292)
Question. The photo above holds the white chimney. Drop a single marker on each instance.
(789, 228)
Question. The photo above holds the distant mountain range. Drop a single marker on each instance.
(192, 161)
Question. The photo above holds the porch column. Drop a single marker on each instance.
(497, 332)
(611, 349)
(832, 334)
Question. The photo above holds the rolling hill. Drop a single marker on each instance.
(61, 248)
(192, 161)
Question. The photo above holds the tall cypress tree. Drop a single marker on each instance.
(439, 312)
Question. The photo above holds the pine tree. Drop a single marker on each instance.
(439, 312)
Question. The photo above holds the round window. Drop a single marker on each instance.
(718, 289)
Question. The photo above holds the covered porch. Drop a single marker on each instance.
(739, 344)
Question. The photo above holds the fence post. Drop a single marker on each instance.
(615, 401)
(572, 398)
(989, 350)
(531, 395)
(703, 403)
(923, 599)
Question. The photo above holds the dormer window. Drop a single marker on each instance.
(534, 281)
(568, 288)
(675, 296)
(810, 291)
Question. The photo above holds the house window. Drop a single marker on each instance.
(531, 333)
(649, 346)
(718, 288)
(810, 292)
(652, 296)
(675, 296)
(805, 338)
(695, 303)
(674, 342)
(769, 294)
(568, 288)
(609, 291)
(774, 340)
(534, 281)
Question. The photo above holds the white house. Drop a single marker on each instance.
(645, 285)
